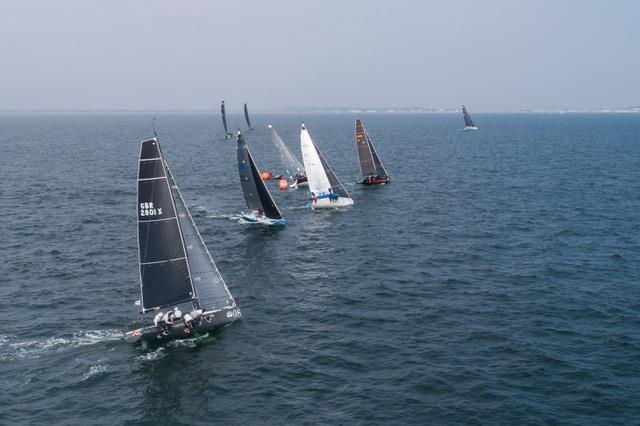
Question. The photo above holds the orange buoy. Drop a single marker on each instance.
(265, 175)
(283, 184)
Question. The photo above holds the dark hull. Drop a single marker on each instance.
(210, 321)
(374, 180)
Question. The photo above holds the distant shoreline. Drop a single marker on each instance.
(320, 111)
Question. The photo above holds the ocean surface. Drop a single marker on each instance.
(495, 281)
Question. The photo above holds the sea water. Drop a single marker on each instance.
(495, 280)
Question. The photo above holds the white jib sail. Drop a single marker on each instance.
(318, 180)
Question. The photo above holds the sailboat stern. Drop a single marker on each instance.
(209, 321)
(329, 201)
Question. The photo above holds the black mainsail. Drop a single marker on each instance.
(467, 118)
(224, 121)
(246, 116)
(254, 189)
(175, 265)
(370, 164)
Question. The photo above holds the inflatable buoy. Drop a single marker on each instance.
(265, 175)
(283, 184)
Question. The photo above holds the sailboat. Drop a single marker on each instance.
(293, 169)
(324, 186)
(256, 194)
(372, 169)
(246, 116)
(176, 269)
(227, 135)
(468, 123)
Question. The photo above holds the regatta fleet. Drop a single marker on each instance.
(182, 293)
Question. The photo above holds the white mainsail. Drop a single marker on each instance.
(320, 176)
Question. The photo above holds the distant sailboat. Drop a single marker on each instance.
(467, 120)
(324, 186)
(256, 194)
(176, 269)
(372, 169)
(293, 169)
(227, 135)
(246, 116)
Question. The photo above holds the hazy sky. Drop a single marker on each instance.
(156, 54)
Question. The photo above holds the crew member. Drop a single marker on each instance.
(157, 318)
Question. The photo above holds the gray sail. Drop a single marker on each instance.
(165, 278)
(224, 119)
(254, 189)
(367, 166)
(246, 116)
(292, 166)
(211, 289)
(370, 163)
(380, 170)
(467, 118)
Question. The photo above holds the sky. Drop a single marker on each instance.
(188, 55)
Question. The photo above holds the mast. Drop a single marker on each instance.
(165, 275)
(246, 116)
(291, 164)
(224, 119)
(254, 189)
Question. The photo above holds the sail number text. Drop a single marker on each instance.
(147, 209)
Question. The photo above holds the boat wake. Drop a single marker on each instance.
(160, 352)
(94, 371)
(225, 216)
(13, 348)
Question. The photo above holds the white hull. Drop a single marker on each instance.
(253, 218)
(328, 203)
(466, 129)
(299, 185)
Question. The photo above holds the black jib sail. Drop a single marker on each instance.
(467, 118)
(370, 163)
(164, 270)
(246, 116)
(224, 121)
(211, 290)
(254, 189)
